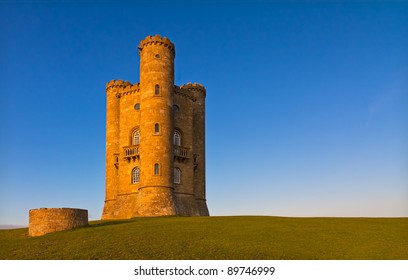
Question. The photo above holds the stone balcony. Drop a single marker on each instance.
(131, 152)
(180, 153)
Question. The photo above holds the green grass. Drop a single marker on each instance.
(203, 238)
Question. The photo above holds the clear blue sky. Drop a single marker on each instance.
(307, 103)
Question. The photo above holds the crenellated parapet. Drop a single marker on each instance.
(190, 90)
(122, 87)
(184, 93)
(157, 39)
(194, 87)
(117, 84)
(131, 89)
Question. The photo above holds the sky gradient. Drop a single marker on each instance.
(307, 103)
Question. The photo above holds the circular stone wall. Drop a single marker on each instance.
(46, 220)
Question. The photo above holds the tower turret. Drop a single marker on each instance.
(198, 93)
(156, 126)
(113, 88)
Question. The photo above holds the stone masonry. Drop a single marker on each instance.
(155, 140)
(46, 220)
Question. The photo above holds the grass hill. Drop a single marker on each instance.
(240, 237)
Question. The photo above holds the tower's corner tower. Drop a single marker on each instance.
(198, 93)
(114, 89)
(156, 126)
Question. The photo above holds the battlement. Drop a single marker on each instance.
(130, 89)
(117, 84)
(157, 39)
(122, 88)
(194, 87)
(184, 92)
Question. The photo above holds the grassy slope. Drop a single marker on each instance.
(217, 238)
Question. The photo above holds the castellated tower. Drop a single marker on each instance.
(155, 140)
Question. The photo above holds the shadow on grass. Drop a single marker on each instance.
(102, 223)
(109, 223)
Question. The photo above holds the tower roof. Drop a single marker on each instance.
(157, 39)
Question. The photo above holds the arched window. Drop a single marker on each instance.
(136, 137)
(177, 138)
(177, 175)
(135, 175)
(156, 128)
(156, 89)
(156, 169)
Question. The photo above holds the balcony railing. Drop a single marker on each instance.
(131, 152)
(180, 152)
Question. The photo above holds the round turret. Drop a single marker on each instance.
(156, 126)
(157, 40)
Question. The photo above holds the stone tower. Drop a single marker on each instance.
(155, 140)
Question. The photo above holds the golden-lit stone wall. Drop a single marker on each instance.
(129, 122)
(156, 87)
(155, 108)
(47, 220)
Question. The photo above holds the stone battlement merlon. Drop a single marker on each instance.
(184, 93)
(117, 83)
(157, 39)
(123, 88)
(194, 87)
(130, 89)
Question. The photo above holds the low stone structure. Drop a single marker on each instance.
(46, 220)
